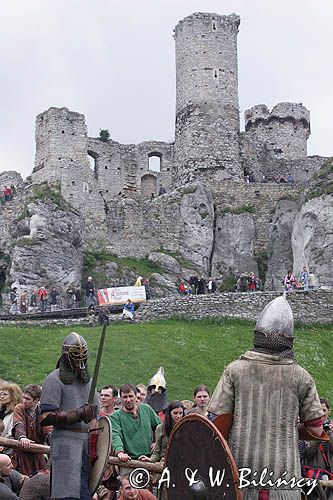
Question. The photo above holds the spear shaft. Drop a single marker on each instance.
(97, 366)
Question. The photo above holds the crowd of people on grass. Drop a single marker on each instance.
(293, 432)
(20, 419)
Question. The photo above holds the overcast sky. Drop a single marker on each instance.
(113, 61)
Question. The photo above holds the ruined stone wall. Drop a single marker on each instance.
(311, 307)
(122, 170)
(207, 108)
(61, 156)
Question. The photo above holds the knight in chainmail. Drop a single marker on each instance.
(258, 401)
(64, 405)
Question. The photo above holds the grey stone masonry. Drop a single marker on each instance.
(124, 170)
(207, 107)
(283, 132)
(307, 307)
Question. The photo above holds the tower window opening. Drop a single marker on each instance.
(92, 157)
(154, 162)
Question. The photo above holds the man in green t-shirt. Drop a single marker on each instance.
(132, 426)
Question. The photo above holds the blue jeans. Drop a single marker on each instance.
(43, 305)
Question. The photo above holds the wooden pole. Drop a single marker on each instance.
(35, 448)
(41, 448)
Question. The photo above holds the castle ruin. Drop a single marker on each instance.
(208, 214)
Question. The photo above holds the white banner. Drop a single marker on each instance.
(120, 295)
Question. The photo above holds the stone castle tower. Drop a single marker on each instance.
(208, 146)
(284, 131)
(207, 108)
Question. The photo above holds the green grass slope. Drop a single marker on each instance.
(192, 352)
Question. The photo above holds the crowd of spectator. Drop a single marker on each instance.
(248, 282)
(305, 281)
(41, 299)
(20, 419)
(249, 178)
(196, 286)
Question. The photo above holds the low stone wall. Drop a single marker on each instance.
(315, 307)
(308, 307)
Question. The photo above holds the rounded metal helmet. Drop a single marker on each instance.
(273, 333)
(157, 381)
(277, 317)
(76, 349)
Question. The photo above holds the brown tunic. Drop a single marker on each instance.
(27, 424)
(266, 395)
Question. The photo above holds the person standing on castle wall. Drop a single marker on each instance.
(252, 177)
(147, 288)
(90, 290)
(290, 179)
(33, 299)
(7, 193)
(70, 292)
(289, 281)
(313, 285)
(138, 281)
(24, 301)
(304, 277)
(77, 293)
(211, 287)
(194, 284)
(54, 294)
(13, 300)
(42, 297)
(201, 286)
(251, 280)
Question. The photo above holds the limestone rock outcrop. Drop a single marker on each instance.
(233, 244)
(280, 251)
(48, 249)
(312, 239)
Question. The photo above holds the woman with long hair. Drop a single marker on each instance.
(10, 395)
(174, 412)
(201, 396)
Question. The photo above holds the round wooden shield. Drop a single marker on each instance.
(200, 463)
(103, 450)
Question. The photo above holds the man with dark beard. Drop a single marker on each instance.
(64, 405)
(259, 399)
